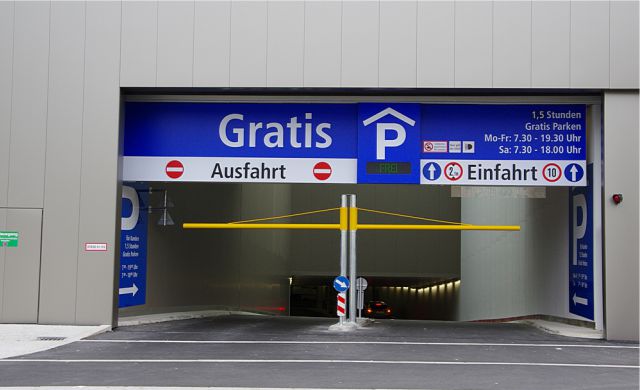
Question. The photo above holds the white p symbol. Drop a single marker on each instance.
(579, 203)
(130, 222)
(382, 142)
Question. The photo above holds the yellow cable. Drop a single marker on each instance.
(413, 217)
(286, 216)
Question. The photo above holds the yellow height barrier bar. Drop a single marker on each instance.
(321, 226)
(348, 221)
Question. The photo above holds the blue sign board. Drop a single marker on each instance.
(461, 144)
(389, 143)
(240, 130)
(133, 248)
(341, 283)
(581, 283)
(504, 132)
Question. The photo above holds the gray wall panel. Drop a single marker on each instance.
(22, 267)
(139, 43)
(621, 140)
(211, 43)
(590, 44)
(175, 43)
(550, 44)
(285, 46)
(624, 44)
(323, 43)
(473, 44)
(360, 41)
(3, 254)
(398, 20)
(248, 45)
(435, 49)
(29, 104)
(509, 274)
(99, 174)
(62, 174)
(6, 76)
(512, 44)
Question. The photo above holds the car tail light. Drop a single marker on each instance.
(389, 311)
(368, 310)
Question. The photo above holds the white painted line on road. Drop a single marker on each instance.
(182, 388)
(315, 361)
(362, 342)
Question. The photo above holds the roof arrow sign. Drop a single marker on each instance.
(132, 290)
(579, 300)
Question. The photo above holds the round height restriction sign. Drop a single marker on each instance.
(453, 171)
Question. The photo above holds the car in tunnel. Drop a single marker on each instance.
(378, 309)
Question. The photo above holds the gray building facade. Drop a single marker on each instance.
(66, 65)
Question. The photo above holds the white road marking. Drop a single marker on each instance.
(363, 342)
(316, 361)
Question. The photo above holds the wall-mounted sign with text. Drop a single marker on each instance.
(461, 144)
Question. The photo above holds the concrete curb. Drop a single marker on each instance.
(565, 329)
(176, 316)
(20, 339)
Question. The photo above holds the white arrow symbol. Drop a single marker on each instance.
(431, 169)
(573, 171)
(341, 283)
(579, 300)
(129, 290)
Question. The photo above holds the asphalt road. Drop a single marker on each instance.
(283, 352)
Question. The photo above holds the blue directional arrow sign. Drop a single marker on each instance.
(341, 283)
(573, 172)
(431, 171)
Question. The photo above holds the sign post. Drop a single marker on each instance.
(344, 216)
(353, 226)
(341, 306)
(361, 285)
(341, 285)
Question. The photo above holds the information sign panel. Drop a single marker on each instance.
(387, 143)
(9, 239)
(492, 144)
(133, 248)
(581, 282)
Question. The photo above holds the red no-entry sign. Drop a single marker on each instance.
(322, 170)
(174, 169)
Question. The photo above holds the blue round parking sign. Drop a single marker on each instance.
(341, 283)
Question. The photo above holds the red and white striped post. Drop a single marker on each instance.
(342, 305)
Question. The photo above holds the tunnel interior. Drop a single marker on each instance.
(290, 272)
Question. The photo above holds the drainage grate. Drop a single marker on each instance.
(51, 338)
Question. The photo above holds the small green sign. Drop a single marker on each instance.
(9, 238)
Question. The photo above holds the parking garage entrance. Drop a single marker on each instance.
(192, 161)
